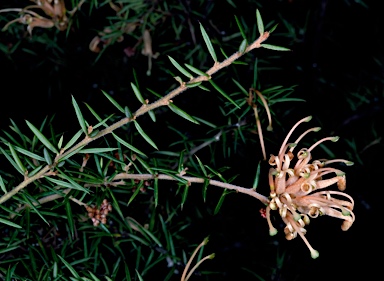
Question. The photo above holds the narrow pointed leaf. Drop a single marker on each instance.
(2, 185)
(195, 70)
(68, 210)
(60, 143)
(240, 87)
(137, 93)
(70, 184)
(260, 24)
(9, 158)
(241, 28)
(17, 130)
(243, 46)
(47, 157)
(205, 188)
(208, 43)
(220, 203)
(201, 166)
(113, 102)
(35, 171)
(273, 47)
(41, 137)
(192, 85)
(204, 88)
(182, 113)
(70, 268)
(184, 197)
(180, 68)
(123, 142)
(152, 115)
(79, 115)
(273, 28)
(256, 181)
(97, 150)
(9, 223)
(133, 196)
(73, 139)
(103, 122)
(144, 135)
(156, 190)
(223, 93)
(16, 158)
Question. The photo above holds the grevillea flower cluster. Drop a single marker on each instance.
(298, 188)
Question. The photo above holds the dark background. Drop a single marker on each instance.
(337, 63)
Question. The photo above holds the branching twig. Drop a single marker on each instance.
(142, 110)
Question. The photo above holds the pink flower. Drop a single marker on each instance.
(298, 190)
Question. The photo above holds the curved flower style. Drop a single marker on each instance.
(298, 189)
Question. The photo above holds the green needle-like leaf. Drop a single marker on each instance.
(221, 200)
(131, 147)
(223, 93)
(41, 137)
(9, 158)
(256, 181)
(144, 135)
(9, 223)
(2, 185)
(73, 139)
(180, 68)
(241, 29)
(113, 102)
(47, 157)
(195, 70)
(79, 115)
(70, 268)
(182, 113)
(137, 93)
(273, 47)
(260, 24)
(16, 158)
(208, 43)
(97, 150)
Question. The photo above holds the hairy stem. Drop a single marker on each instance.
(144, 109)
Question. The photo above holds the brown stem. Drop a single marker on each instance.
(161, 102)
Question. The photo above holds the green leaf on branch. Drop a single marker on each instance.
(256, 181)
(79, 116)
(9, 158)
(243, 46)
(16, 158)
(131, 147)
(260, 24)
(144, 135)
(180, 68)
(192, 85)
(137, 93)
(195, 70)
(223, 93)
(182, 113)
(9, 223)
(273, 47)
(221, 201)
(241, 29)
(118, 106)
(47, 157)
(273, 28)
(184, 196)
(73, 139)
(97, 150)
(41, 137)
(208, 43)
(2, 185)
